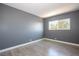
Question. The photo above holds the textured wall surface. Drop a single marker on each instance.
(71, 35)
(17, 27)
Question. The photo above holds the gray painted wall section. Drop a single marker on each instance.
(18, 27)
(64, 35)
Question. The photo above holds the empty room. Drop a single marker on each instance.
(39, 29)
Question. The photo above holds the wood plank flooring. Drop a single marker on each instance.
(44, 48)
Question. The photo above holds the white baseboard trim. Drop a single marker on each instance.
(20, 45)
(74, 44)
(7, 49)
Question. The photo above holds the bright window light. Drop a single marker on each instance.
(63, 24)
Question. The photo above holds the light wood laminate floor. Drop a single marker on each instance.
(44, 48)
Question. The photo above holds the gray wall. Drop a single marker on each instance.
(64, 35)
(18, 27)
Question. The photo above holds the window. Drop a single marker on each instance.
(63, 24)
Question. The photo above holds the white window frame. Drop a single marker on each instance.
(56, 22)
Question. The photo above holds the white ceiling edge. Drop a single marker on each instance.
(54, 11)
(20, 7)
(61, 10)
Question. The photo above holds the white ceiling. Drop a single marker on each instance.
(45, 10)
